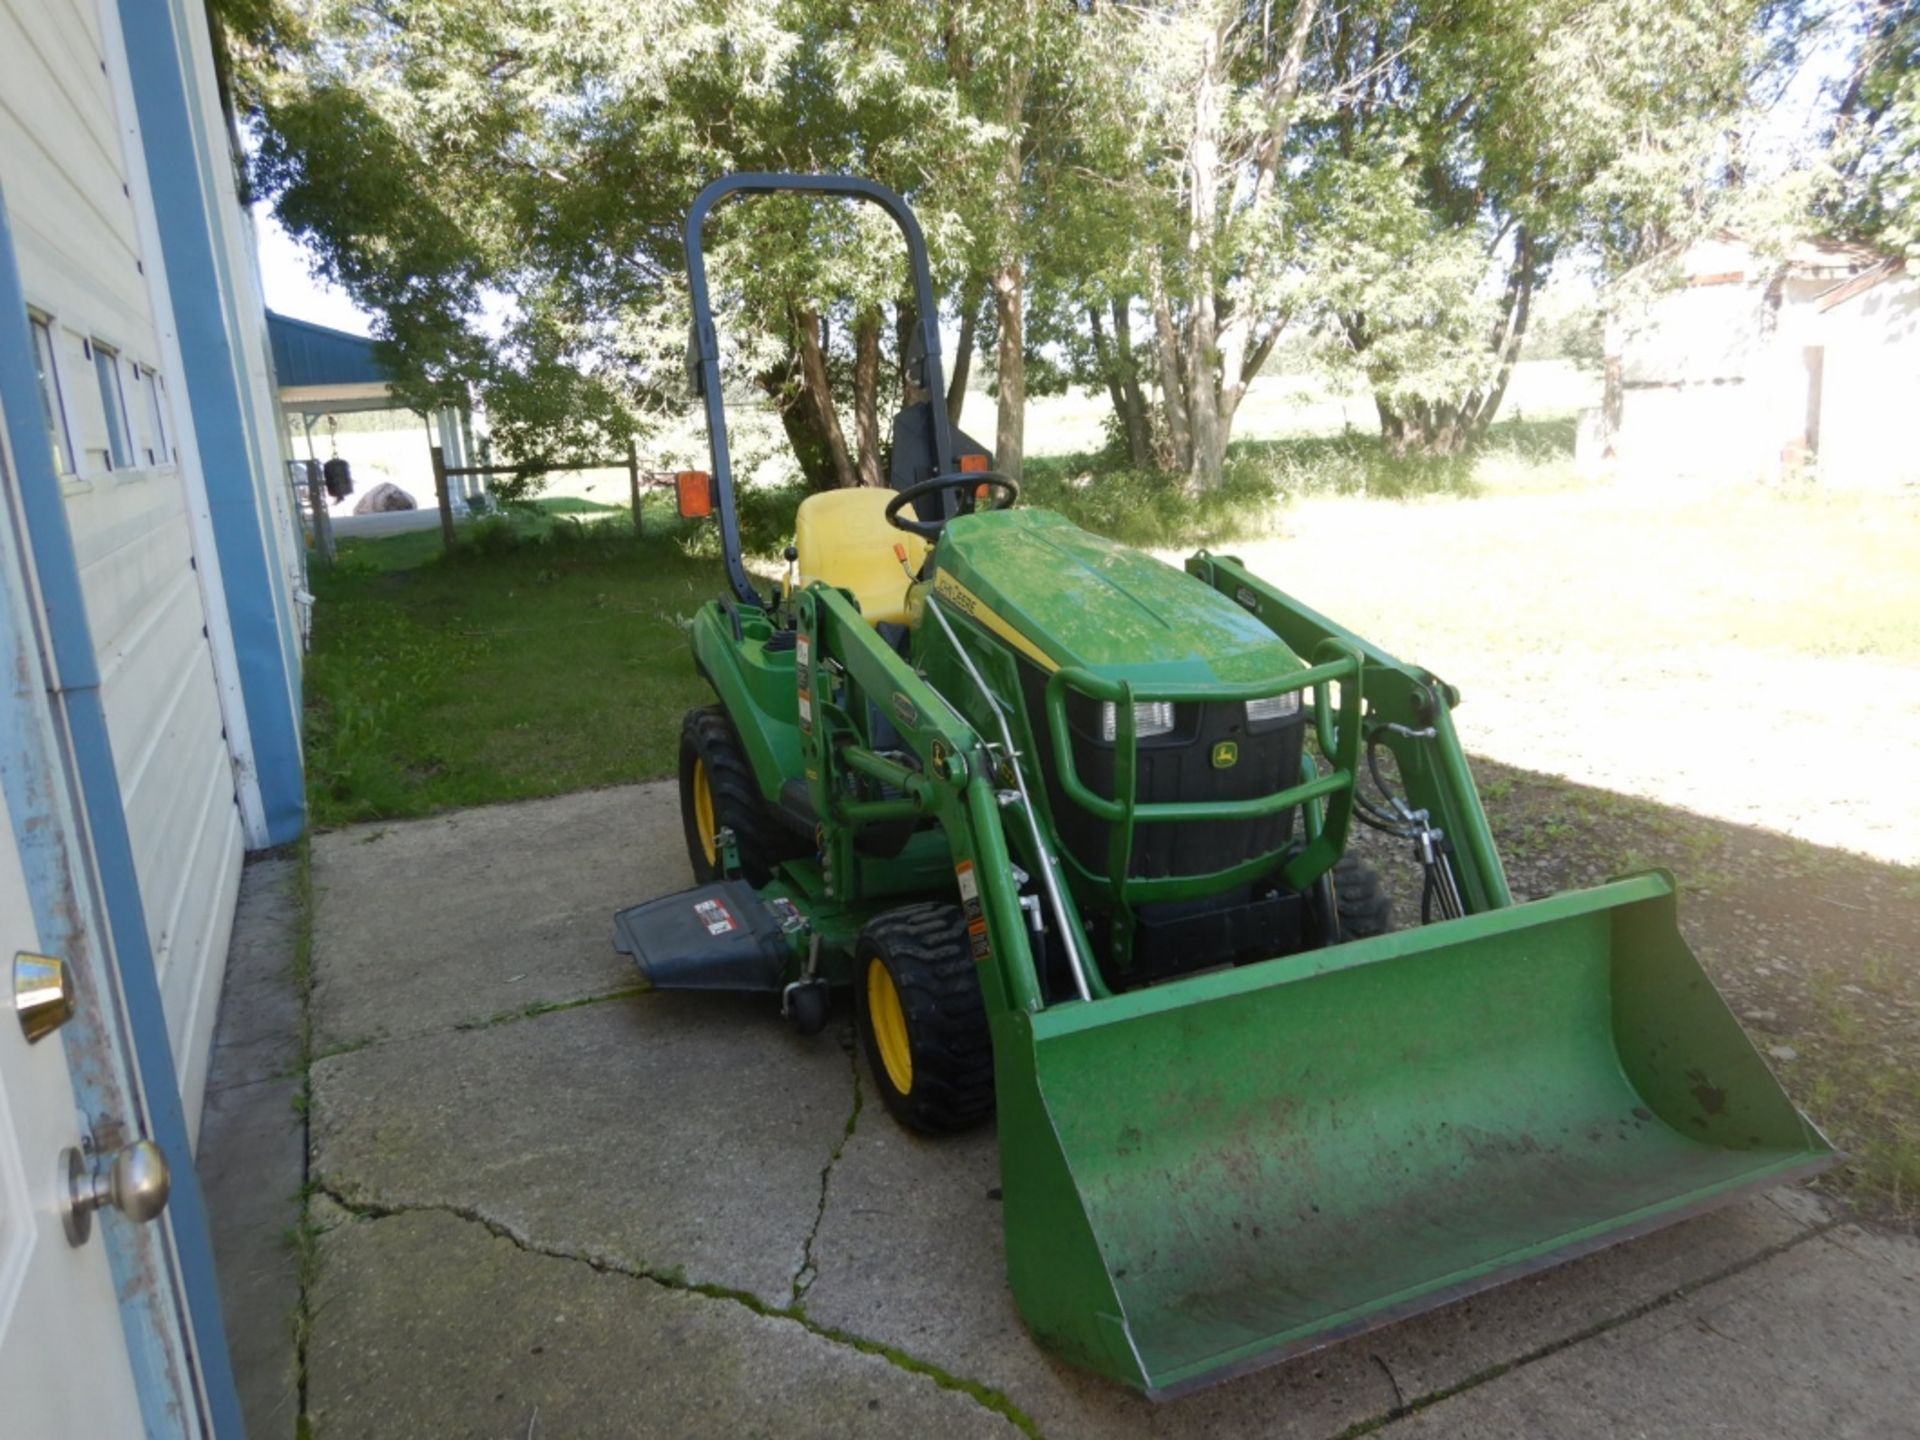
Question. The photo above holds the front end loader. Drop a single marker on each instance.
(1072, 826)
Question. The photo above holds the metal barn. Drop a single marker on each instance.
(150, 731)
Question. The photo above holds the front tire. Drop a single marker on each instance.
(1360, 903)
(922, 1019)
(717, 791)
(1360, 899)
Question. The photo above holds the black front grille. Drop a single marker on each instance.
(1177, 766)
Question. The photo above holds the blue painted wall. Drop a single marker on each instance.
(30, 777)
(208, 307)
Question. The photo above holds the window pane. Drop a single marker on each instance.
(50, 405)
(106, 369)
(157, 397)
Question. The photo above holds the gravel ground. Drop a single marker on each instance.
(1747, 655)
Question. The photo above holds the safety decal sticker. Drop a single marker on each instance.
(715, 916)
(970, 908)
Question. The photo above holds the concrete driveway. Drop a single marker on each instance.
(555, 1206)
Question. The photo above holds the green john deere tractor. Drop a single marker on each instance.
(1073, 826)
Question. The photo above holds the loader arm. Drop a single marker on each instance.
(843, 663)
(1433, 767)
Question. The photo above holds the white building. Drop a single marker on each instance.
(150, 725)
(1729, 363)
(1869, 328)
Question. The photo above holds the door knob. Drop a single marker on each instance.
(135, 1181)
(42, 993)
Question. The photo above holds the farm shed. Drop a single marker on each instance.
(150, 730)
(1870, 328)
(1728, 362)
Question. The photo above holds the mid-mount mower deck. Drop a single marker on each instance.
(1073, 824)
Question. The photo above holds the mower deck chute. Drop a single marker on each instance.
(726, 936)
(1262, 1161)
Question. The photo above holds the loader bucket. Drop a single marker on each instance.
(1236, 1167)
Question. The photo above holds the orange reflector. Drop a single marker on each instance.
(972, 464)
(693, 491)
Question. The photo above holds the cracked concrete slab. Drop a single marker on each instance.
(426, 924)
(657, 1132)
(695, 1138)
(459, 1332)
(1446, 1347)
(1822, 1338)
(910, 1253)
(898, 1205)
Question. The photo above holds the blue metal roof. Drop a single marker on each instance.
(308, 354)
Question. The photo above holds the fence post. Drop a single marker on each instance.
(440, 493)
(322, 521)
(633, 484)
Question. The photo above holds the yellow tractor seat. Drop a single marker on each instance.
(844, 540)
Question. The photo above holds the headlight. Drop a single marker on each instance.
(1273, 707)
(1151, 717)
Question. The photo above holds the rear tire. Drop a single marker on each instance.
(717, 791)
(922, 1019)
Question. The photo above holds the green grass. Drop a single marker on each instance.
(548, 653)
(535, 660)
(1154, 510)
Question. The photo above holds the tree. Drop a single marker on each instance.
(1526, 129)
(1876, 128)
(503, 187)
(1222, 83)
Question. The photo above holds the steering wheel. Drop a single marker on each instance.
(1006, 490)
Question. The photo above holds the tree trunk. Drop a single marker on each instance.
(1009, 283)
(866, 394)
(1011, 368)
(1133, 413)
(819, 392)
(1421, 427)
(1107, 363)
(1450, 427)
(906, 325)
(1173, 394)
(971, 297)
(1203, 333)
(1115, 359)
(781, 384)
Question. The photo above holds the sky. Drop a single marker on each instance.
(291, 287)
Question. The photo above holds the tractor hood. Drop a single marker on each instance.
(1062, 596)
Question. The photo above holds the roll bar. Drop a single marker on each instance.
(704, 349)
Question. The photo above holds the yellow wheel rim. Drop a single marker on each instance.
(889, 1023)
(703, 811)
